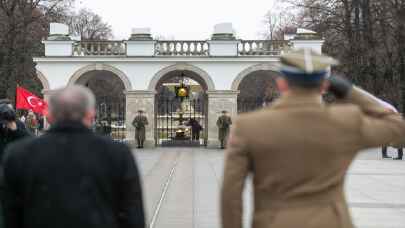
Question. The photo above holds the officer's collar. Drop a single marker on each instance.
(299, 99)
(69, 126)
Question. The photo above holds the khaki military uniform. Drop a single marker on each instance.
(140, 123)
(223, 123)
(298, 152)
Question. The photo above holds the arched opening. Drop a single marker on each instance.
(42, 80)
(108, 89)
(257, 90)
(181, 109)
(35, 83)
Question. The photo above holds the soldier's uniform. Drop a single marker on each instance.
(140, 122)
(224, 123)
(298, 151)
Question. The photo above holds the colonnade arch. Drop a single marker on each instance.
(109, 86)
(256, 86)
(181, 121)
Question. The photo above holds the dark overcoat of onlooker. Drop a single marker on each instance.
(70, 177)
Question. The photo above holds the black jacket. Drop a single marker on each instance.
(8, 136)
(71, 178)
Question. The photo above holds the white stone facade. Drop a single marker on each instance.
(221, 68)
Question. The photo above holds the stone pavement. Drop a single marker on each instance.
(181, 187)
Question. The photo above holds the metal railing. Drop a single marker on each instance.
(99, 48)
(262, 47)
(182, 48)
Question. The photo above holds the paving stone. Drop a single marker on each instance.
(374, 188)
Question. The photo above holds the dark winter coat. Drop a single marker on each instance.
(70, 177)
(8, 136)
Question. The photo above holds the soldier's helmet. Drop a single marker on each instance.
(140, 111)
(305, 65)
(224, 112)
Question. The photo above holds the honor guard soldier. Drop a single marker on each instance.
(298, 150)
(224, 123)
(140, 122)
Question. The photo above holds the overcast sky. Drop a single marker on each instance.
(181, 19)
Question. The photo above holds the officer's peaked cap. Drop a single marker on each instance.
(307, 60)
(305, 64)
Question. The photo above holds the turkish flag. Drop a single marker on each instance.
(27, 100)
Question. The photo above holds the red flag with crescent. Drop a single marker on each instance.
(27, 100)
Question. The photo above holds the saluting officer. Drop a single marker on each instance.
(298, 150)
(140, 122)
(224, 123)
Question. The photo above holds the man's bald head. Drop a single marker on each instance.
(73, 103)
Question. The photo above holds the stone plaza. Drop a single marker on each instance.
(181, 188)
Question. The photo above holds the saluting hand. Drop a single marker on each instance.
(339, 86)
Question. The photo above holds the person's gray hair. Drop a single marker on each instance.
(71, 103)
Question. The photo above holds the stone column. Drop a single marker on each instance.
(58, 42)
(223, 41)
(308, 39)
(140, 100)
(141, 43)
(47, 94)
(218, 101)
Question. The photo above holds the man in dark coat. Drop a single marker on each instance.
(224, 123)
(139, 123)
(70, 177)
(195, 128)
(13, 130)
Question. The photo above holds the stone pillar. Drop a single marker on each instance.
(59, 42)
(223, 41)
(141, 43)
(307, 39)
(47, 94)
(218, 101)
(140, 100)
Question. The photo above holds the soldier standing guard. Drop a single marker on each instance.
(299, 149)
(224, 123)
(140, 122)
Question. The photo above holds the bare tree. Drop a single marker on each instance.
(367, 36)
(89, 26)
(280, 19)
(271, 20)
(21, 31)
